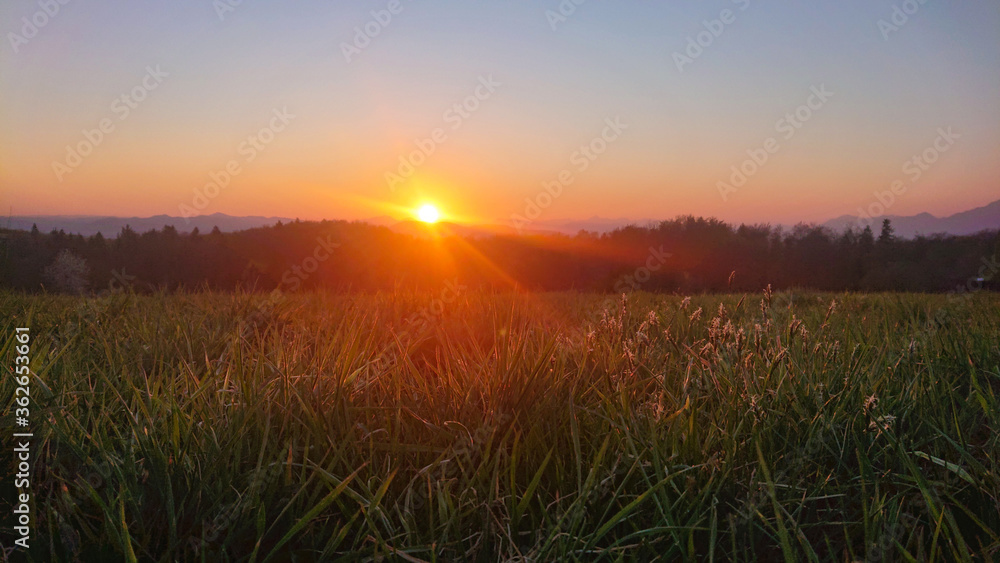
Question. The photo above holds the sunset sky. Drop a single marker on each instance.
(331, 112)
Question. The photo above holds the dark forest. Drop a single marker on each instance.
(686, 255)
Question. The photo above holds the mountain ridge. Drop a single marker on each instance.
(962, 223)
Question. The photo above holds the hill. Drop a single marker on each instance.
(110, 226)
(965, 223)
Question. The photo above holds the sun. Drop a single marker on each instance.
(428, 213)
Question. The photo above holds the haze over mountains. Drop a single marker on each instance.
(963, 223)
(110, 226)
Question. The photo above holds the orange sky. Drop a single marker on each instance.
(528, 98)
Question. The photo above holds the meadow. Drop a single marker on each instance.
(510, 427)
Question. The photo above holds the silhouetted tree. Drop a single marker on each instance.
(886, 236)
(690, 254)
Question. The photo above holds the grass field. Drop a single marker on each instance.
(213, 427)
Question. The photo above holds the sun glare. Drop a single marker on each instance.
(428, 213)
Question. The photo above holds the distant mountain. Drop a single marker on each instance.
(110, 226)
(565, 226)
(594, 224)
(424, 230)
(381, 221)
(964, 223)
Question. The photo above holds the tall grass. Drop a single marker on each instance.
(207, 427)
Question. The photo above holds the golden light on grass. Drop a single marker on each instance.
(428, 213)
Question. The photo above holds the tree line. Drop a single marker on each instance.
(686, 255)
